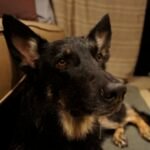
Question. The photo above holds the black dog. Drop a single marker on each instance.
(65, 91)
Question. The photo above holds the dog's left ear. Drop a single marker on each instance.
(100, 36)
(22, 42)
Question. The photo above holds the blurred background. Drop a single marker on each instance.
(129, 18)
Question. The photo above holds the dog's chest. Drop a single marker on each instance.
(76, 128)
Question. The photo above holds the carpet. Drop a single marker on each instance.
(135, 141)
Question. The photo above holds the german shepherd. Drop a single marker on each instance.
(66, 95)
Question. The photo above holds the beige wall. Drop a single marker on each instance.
(76, 17)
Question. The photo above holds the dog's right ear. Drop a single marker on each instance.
(101, 33)
(22, 42)
(100, 36)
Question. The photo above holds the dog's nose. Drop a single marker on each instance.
(114, 91)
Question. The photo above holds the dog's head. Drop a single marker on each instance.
(69, 70)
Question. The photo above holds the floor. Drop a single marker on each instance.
(143, 84)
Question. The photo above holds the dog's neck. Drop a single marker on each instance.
(76, 128)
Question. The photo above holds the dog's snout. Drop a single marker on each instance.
(114, 91)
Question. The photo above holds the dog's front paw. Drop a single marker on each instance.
(119, 138)
(145, 132)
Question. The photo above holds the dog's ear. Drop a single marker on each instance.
(22, 42)
(100, 36)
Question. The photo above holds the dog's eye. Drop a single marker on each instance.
(99, 56)
(61, 64)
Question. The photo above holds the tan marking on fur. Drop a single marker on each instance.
(76, 128)
(106, 123)
(28, 50)
(49, 92)
(61, 66)
(33, 47)
(119, 132)
(67, 50)
(134, 118)
(100, 39)
(119, 137)
(144, 129)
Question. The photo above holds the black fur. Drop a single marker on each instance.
(119, 116)
(66, 75)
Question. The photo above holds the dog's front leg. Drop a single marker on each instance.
(119, 137)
